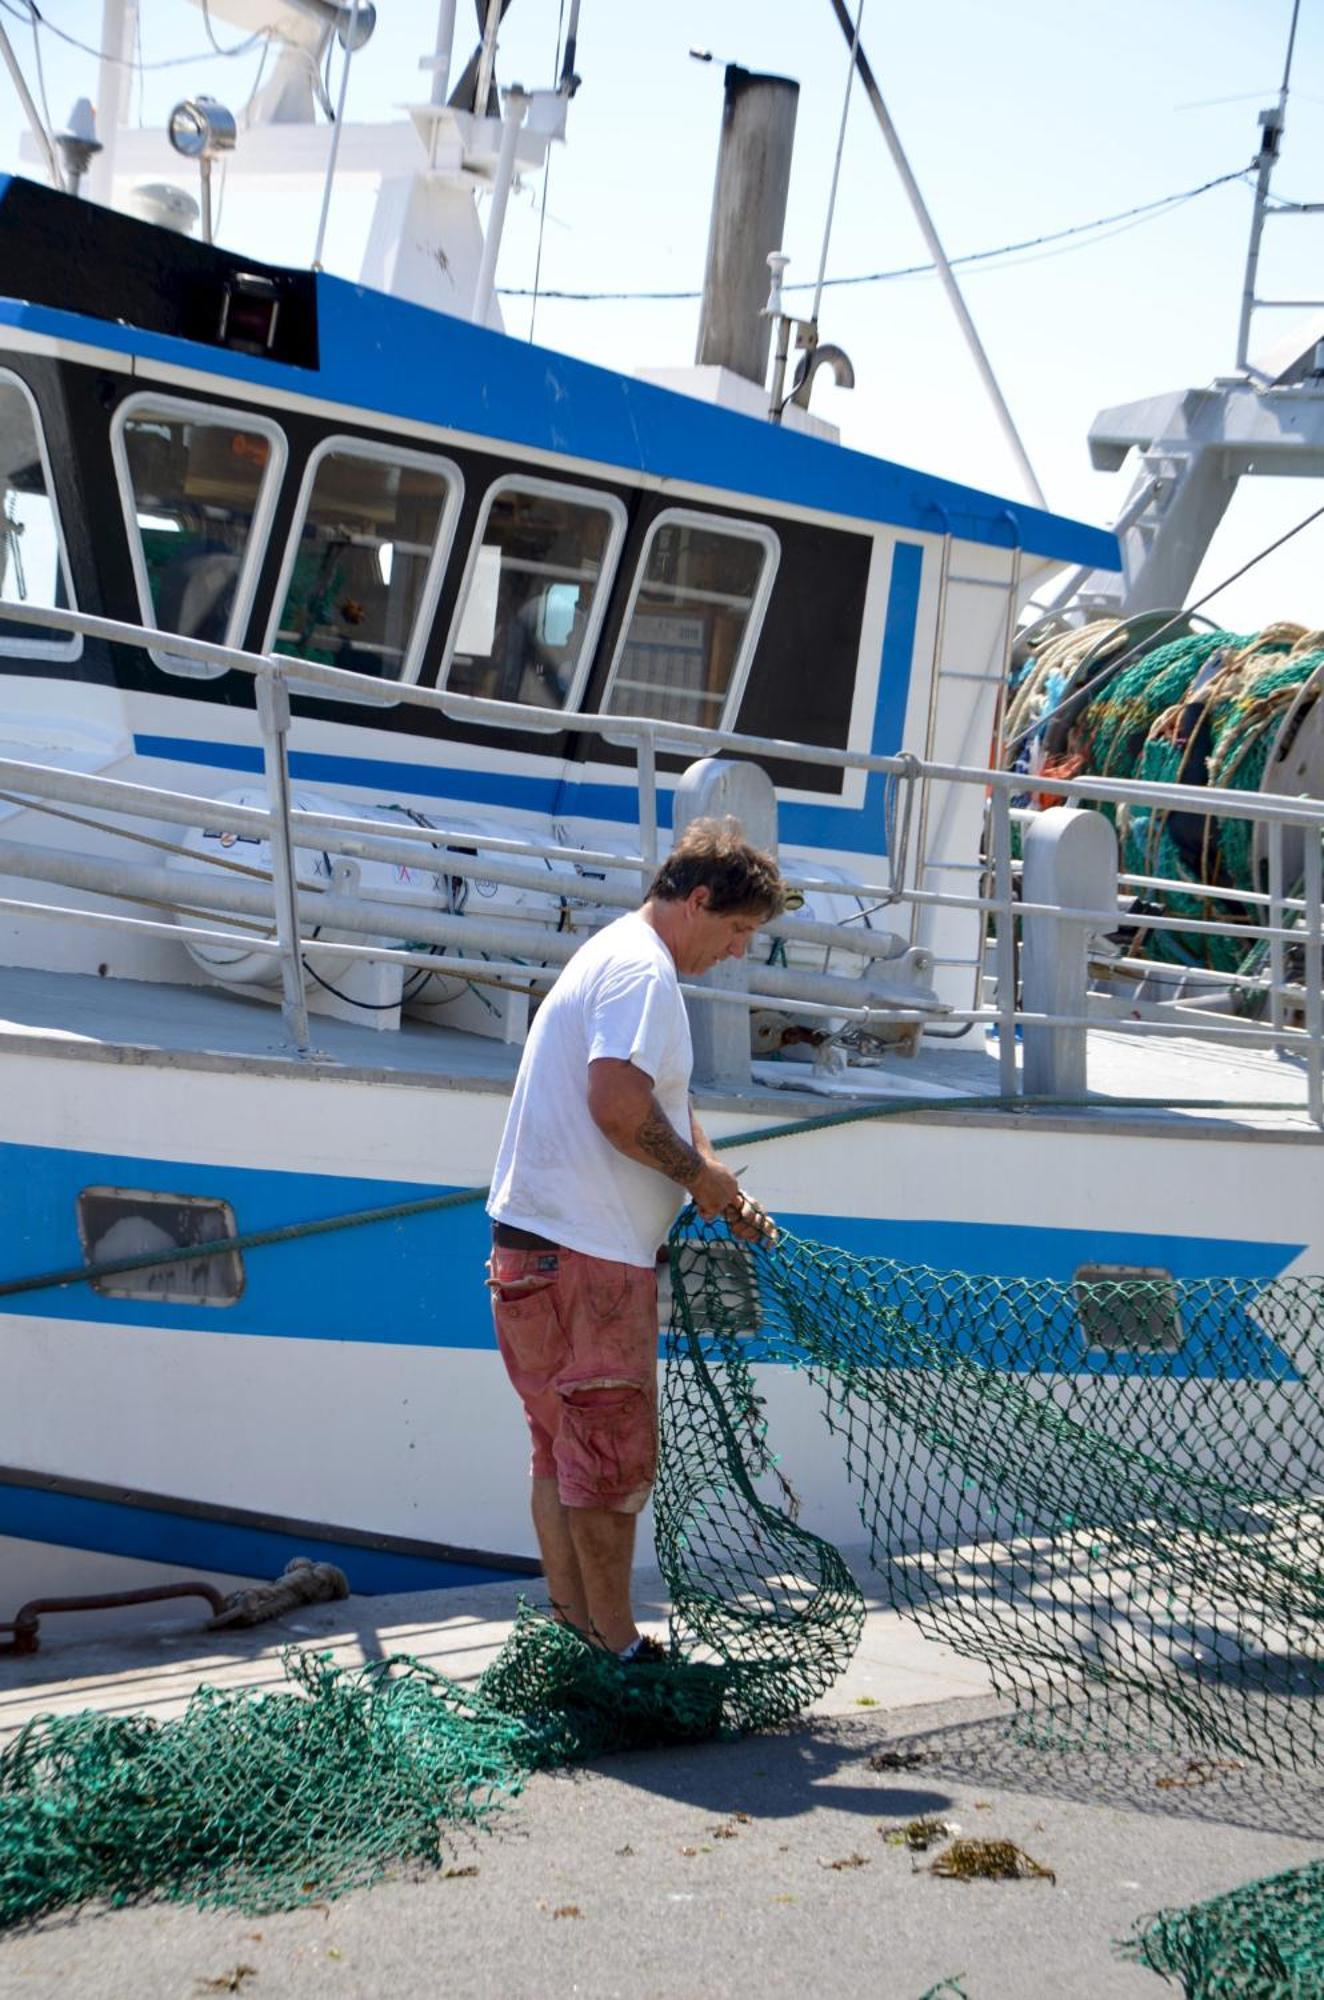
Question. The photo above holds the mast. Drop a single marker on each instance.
(1272, 123)
(118, 21)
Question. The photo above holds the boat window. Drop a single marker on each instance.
(364, 565)
(199, 485)
(534, 593)
(131, 1222)
(694, 618)
(33, 566)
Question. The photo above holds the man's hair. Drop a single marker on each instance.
(712, 855)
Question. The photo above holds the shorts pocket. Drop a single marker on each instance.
(606, 1287)
(607, 1451)
(528, 1325)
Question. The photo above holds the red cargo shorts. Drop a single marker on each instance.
(578, 1335)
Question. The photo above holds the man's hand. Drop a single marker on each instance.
(714, 1190)
(750, 1222)
(743, 1215)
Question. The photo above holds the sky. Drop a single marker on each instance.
(1019, 119)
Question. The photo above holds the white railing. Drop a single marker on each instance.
(1283, 920)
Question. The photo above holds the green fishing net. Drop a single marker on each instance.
(1262, 1942)
(1205, 710)
(1110, 1491)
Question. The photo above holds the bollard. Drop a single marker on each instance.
(712, 789)
(1070, 863)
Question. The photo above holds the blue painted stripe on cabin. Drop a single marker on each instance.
(847, 829)
(393, 359)
(112, 1527)
(418, 1282)
(531, 792)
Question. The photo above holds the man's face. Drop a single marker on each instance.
(709, 938)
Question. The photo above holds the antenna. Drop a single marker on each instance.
(1272, 123)
(78, 144)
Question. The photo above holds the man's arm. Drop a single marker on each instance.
(625, 1110)
(748, 1219)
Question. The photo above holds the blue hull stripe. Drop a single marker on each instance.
(111, 1527)
(418, 1282)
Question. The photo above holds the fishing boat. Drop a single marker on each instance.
(358, 660)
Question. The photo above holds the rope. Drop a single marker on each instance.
(399, 1211)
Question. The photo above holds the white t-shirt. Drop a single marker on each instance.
(556, 1173)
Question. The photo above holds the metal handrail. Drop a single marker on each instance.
(288, 828)
(664, 734)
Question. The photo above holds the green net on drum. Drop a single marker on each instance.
(1110, 1491)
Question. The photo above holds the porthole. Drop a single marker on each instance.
(1128, 1308)
(115, 1223)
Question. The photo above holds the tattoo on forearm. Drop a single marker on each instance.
(658, 1137)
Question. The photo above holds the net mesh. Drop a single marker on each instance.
(1261, 1942)
(1111, 1491)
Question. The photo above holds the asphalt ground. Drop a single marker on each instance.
(743, 1869)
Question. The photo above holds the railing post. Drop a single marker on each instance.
(1314, 976)
(1277, 956)
(1070, 864)
(645, 750)
(1005, 939)
(273, 714)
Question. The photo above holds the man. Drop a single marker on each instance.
(601, 1147)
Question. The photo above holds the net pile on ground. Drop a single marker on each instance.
(1111, 1493)
(1262, 1942)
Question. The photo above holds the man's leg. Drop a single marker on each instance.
(565, 1584)
(604, 1546)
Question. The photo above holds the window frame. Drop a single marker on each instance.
(588, 497)
(350, 445)
(126, 1288)
(761, 532)
(69, 646)
(273, 479)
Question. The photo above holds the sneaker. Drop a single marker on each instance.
(648, 1652)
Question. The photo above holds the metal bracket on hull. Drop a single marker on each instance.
(27, 1639)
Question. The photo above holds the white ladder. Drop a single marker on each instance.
(953, 688)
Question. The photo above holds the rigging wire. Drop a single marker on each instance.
(337, 127)
(546, 177)
(41, 74)
(28, 12)
(207, 24)
(1141, 211)
(836, 166)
